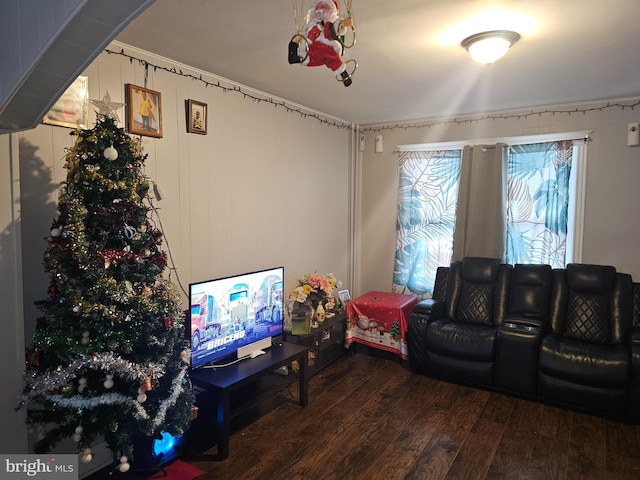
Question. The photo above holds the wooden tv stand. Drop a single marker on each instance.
(223, 381)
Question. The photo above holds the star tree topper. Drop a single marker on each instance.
(107, 107)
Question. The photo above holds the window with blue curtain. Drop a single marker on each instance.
(427, 201)
(544, 205)
(538, 178)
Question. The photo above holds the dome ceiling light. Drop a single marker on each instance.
(487, 47)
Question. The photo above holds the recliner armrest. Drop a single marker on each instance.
(525, 321)
(433, 309)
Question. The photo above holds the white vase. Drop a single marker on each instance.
(320, 313)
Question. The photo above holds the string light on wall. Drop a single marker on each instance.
(487, 47)
(621, 105)
(245, 92)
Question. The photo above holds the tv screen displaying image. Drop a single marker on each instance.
(232, 312)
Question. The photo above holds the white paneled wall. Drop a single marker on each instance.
(265, 187)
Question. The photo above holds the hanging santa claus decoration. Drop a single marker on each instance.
(320, 41)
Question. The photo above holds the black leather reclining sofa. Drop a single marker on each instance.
(568, 336)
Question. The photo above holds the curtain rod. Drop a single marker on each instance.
(515, 140)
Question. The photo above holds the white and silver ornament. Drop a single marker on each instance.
(108, 383)
(110, 153)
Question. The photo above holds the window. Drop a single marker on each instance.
(427, 199)
(545, 197)
(538, 202)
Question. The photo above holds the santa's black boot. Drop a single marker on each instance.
(346, 79)
(293, 53)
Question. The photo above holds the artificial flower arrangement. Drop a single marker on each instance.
(315, 289)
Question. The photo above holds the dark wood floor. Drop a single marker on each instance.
(370, 418)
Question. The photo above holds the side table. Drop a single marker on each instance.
(379, 320)
(325, 342)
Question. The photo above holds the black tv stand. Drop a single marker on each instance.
(223, 381)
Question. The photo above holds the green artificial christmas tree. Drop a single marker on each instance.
(108, 357)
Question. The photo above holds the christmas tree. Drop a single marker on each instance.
(394, 331)
(108, 357)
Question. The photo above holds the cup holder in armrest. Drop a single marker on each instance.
(517, 326)
(521, 321)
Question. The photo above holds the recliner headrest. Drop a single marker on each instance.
(532, 275)
(596, 279)
(480, 269)
(531, 285)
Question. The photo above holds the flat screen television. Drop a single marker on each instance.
(235, 317)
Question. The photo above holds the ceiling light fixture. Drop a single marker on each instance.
(487, 47)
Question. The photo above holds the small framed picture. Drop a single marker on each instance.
(72, 108)
(344, 296)
(196, 117)
(144, 111)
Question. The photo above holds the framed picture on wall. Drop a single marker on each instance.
(196, 117)
(144, 111)
(72, 108)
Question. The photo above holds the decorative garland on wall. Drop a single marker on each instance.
(235, 89)
(501, 116)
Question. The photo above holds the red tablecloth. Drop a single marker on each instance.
(379, 319)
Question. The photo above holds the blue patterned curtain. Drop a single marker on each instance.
(537, 205)
(427, 200)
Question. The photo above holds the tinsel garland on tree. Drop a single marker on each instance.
(108, 356)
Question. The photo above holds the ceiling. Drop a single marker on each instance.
(410, 62)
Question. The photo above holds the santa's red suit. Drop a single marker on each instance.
(319, 45)
(324, 48)
(323, 28)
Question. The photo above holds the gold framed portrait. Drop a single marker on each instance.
(196, 117)
(144, 111)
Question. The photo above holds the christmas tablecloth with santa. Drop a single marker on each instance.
(379, 320)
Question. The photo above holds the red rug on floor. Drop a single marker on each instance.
(177, 470)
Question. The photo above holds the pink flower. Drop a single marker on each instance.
(315, 287)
